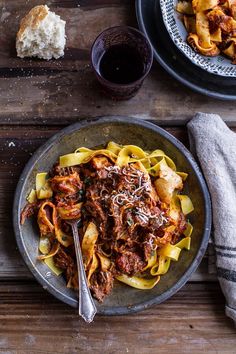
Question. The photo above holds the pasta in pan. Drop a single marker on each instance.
(132, 217)
(211, 26)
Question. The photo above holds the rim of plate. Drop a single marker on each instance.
(119, 310)
(214, 65)
(164, 59)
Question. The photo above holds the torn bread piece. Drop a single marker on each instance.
(41, 34)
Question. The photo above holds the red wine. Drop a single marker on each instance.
(121, 64)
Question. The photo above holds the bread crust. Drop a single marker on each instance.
(32, 19)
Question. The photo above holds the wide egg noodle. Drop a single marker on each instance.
(183, 175)
(51, 265)
(49, 226)
(203, 5)
(170, 251)
(73, 159)
(231, 49)
(43, 188)
(154, 170)
(185, 7)
(92, 268)
(113, 147)
(151, 260)
(83, 149)
(32, 197)
(194, 41)
(216, 36)
(158, 263)
(138, 282)
(161, 267)
(105, 262)
(184, 243)
(64, 239)
(189, 229)
(186, 204)
(190, 24)
(46, 224)
(202, 40)
(44, 245)
(203, 31)
(127, 152)
(78, 158)
(52, 252)
(212, 28)
(88, 243)
(74, 212)
(161, 154)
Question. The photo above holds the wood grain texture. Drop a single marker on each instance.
(37, 98)
(57, 91)
(84, 21)
(33, 322)
(58, 98)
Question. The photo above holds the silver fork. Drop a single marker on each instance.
(87, 308)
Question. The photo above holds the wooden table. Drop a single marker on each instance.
(37, 98)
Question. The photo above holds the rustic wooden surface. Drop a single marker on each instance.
(37, 98)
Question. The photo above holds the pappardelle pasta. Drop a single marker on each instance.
(132, 217)
(211, 26)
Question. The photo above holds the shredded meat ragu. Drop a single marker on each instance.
(130, 263)
(63, 260)
(125, 196)
(102, 284)
(28, 211)
(126, 209)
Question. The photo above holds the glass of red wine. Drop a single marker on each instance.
(121, 58)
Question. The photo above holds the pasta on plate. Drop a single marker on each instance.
(132, 217)
(211, 26)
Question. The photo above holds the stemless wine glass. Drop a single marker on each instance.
(138, 51)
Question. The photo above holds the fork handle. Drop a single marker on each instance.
(87, 308)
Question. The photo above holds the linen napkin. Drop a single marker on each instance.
(214, 144)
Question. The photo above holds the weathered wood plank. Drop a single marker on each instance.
(16, 146)
(55, 92)
(84, 20)
(35, 93)
(30, 318)
(60, 97)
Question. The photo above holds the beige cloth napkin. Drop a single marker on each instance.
(214, 144)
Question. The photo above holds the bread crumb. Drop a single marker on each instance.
(11, 144)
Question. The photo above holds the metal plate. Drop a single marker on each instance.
(123, 130)
(173, 61)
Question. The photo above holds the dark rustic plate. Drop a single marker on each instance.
(174, 61)
(123, 130)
